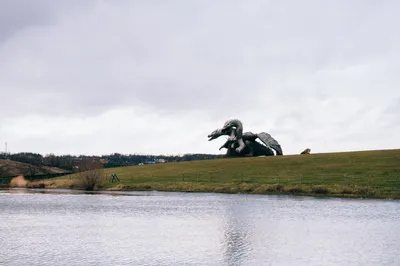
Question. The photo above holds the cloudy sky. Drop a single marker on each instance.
(155, 77)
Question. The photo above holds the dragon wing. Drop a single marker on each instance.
(270, 142)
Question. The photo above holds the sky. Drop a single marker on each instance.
(156, 77)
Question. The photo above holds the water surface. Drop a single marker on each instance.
(63, 227)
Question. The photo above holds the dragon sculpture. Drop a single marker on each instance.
(241, 144)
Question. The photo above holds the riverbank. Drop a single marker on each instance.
(338, 191)
(369, 174)
(270, 189)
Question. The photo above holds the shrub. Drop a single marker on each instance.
(275, 187)
(295, 189)
(319, 189)
(36, 185)
(91, 179)
(245, 187)
(366, 191)
(18, 181)
(347, 191)
(261, 189)
(225, 189)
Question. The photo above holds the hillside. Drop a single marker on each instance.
(369, 173)
(13, 168)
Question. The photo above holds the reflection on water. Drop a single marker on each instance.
(235, 234)
(76, 192)
(63, 227)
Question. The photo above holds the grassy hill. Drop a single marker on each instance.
(363, 173)
(12, 168)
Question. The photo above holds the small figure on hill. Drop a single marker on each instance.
(306, 151)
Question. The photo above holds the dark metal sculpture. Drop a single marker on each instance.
(241, 144)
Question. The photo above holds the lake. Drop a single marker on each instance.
(66, 227)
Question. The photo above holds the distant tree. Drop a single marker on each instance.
(27, 157)
(4, 170)
(87, 164)
(70, 163)
(31, 170)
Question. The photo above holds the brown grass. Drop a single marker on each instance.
(35, 184)
(295, 190)
(18, 182)
(14, 168)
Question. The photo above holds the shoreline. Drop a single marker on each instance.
(276, 193)
(318, 191)
(362, 174)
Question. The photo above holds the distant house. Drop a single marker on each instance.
(155, 161)
(103, 161)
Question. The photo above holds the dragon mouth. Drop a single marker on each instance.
(211, 137)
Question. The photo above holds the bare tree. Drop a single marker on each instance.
(91, 179)
(4, 170)
(89, 173)
(87, 164)
(31, 170)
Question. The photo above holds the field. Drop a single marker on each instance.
(347, 174)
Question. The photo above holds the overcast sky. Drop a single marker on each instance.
(156, 77)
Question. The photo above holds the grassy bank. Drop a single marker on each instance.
(348, 174)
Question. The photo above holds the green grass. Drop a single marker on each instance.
(363, 173)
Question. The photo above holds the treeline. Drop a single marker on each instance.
(117, 159)
(113, 160)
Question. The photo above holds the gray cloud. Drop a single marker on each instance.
(17, 15)
(305, 71)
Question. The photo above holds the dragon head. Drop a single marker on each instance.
(216, 134)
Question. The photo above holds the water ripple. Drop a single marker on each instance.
(151, 228)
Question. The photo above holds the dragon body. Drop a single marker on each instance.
(241, 144)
